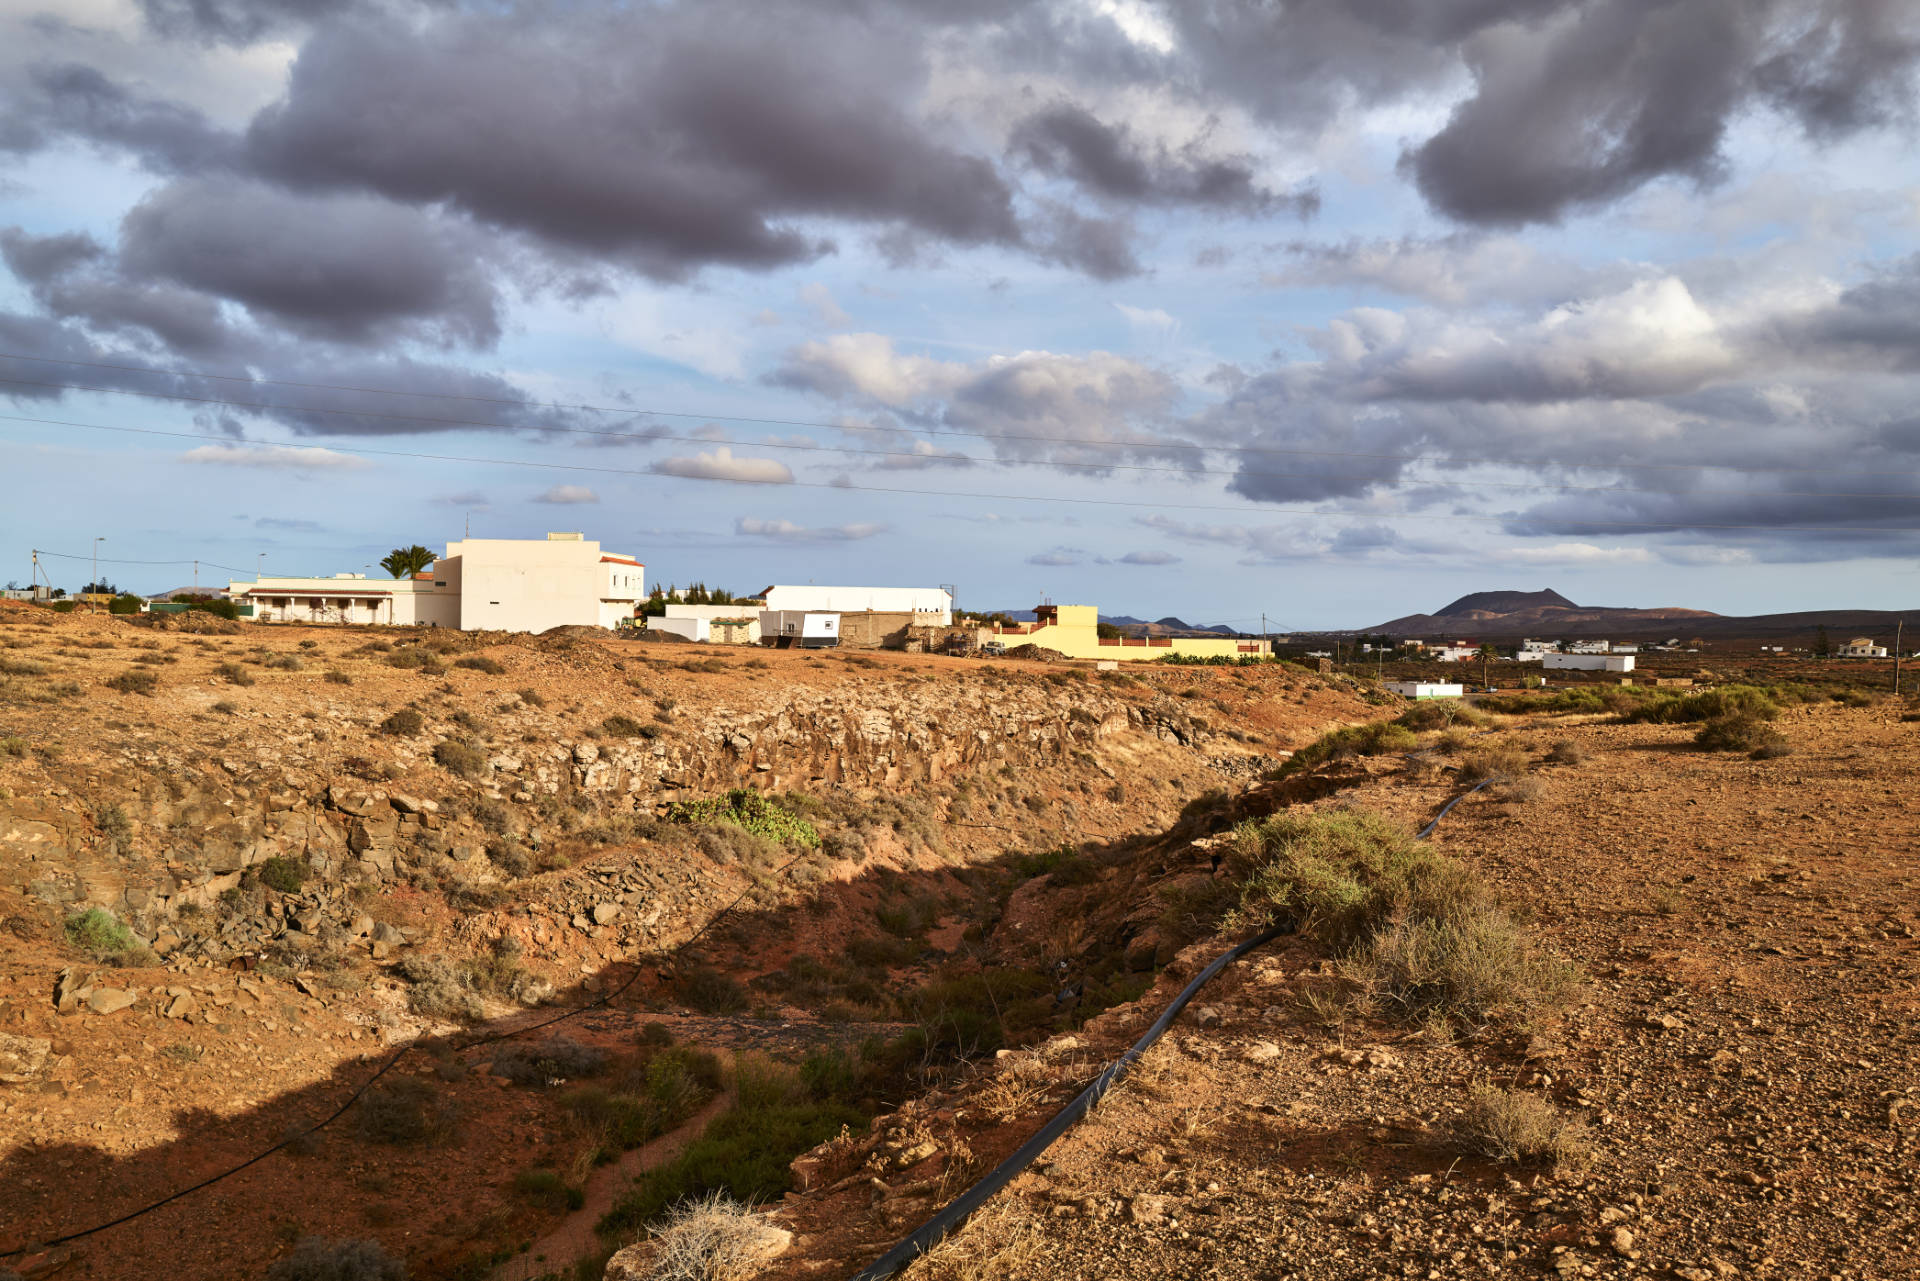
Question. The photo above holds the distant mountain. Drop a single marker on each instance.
(1505, 603)
(1545, 613)
(1168, 626)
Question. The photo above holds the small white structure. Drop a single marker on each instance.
(1588, 662)
(807, 629)
(1589, 647)
(1453, 653)
(481, 584)
(931, 601)
(1424, 689)
(1861, 647)
(735, 624)
(1530, 650)
(694, 629)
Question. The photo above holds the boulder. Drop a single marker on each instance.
(605, 913)
(22, 1057)
(109, 1000)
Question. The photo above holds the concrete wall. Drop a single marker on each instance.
(1424, 689)
(694, 629)
(877, 629)
(860, 600)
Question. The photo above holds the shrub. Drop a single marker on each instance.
(460, 758)
(112, 822)
(235, 674)
(1687, 709)
(317, 1259)
(224, 708)
(1414, 930)
(99, 933)
(481, 663)
(439, 990)
(1514, 1127)
(554, 1061)
(1500, 761)
(711, 992)
(531, 697)
(1439, 713)
(134, 681)
(546, 1189)
(13, 746)
(284, 874)
(1566, 752)
(745, 808)
(404, 723)
(125, 603)
(655, 1035)
(286, 663)
(405, 1112)
(1375, 739)
(1741, 732)
(626, 727)
(337, 677)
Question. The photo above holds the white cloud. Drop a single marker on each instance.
(1577, 554)
(1150, 319)
(787, 532)
(825, 308)
(1149, 558)
(722, 465)
(278, 457)
(1052, 559)
(568, 494)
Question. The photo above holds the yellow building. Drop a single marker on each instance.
(1073, 630)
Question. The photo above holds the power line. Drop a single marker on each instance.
(957, 458)
(104, 560)
(1051, 500)
(630, 411)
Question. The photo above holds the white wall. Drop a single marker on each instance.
(1422, 689)
(694, 629)
(535, 585)
(1589, 662)
(711, 612)
(859, 600)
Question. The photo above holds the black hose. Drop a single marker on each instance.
(934, 1230)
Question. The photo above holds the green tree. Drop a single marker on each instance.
(1822, 644)
(1106, 631)
(655, 606)
(405, 562)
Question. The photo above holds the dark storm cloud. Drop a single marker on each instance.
(73, 277)
(661, 139)
(1109, 161)
(1577, 111)
(233, 22)
(1876, 323)
(78, 101)
(344, 268)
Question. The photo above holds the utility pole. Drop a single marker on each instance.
(96, 571)
(1899, 630)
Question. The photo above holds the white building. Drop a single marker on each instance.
(1589, 647)
(736, 624)
(1861, 647)
(1588, 662)
(481, 584)
(1453, 653)
(1424, 689)
(931, 601)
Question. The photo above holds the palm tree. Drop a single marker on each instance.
(1487, 654)
(405, 562)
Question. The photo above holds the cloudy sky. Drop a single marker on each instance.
(1327, 309)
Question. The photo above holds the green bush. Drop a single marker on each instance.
(99, 933)
(1497, 760)
(745, 808)
(1438, 713)
(284, 874)
(711, 992)
(480, 663)
(1377, 738)
(125, 603)
(405, 1112)
(404, 723)
(134, 681)
(1689, 709)
(554, 1061)
(1741, 732)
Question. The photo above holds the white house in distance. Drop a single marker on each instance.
(1861, 647)
(934, 602)
(1425, 689)
(481, 584)
(1453, 653)
(1587, 662)
(737, 624)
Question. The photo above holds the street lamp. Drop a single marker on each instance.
(95, 583)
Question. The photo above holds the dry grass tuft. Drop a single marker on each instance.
(1519, 1128)
(714, 1238)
